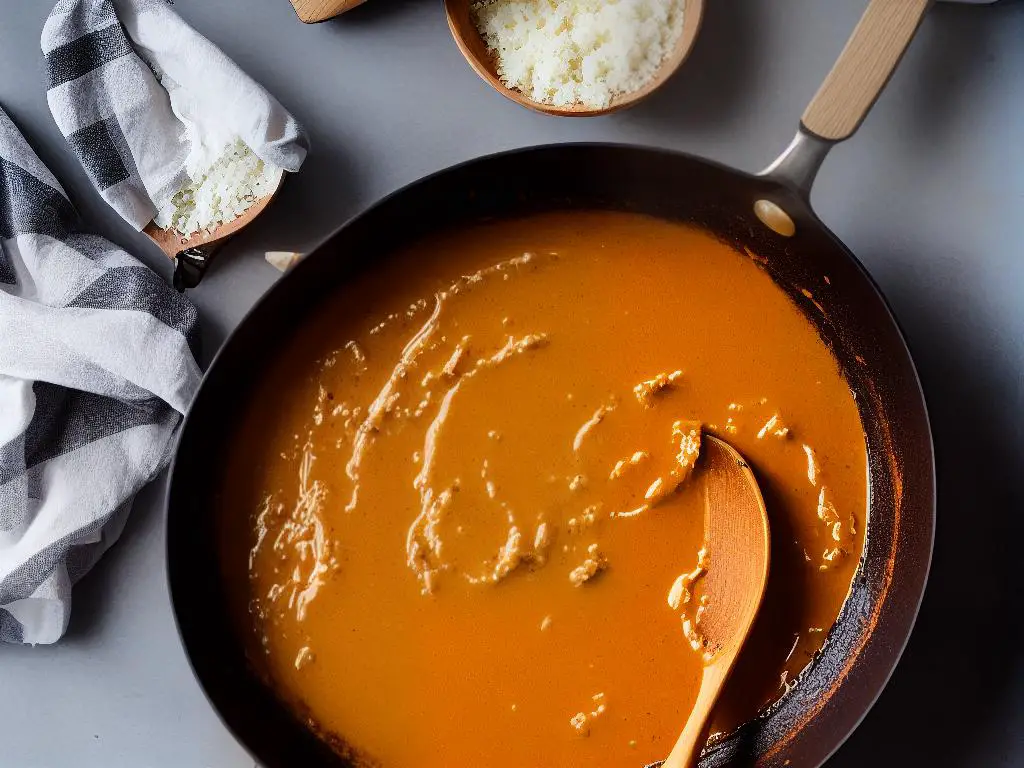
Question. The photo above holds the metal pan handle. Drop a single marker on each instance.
(851, 88)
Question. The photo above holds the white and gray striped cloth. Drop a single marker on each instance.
(96, 367)
(134, 140)
(96, 352)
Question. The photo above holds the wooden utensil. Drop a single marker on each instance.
(472, 45)
(312, 11)
(738, 549)
(864, 67)
(191, 254)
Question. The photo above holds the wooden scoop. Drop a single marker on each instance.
(191, 255)
(737, 543)
(460, 21)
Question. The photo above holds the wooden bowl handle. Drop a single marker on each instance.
(863, 68)
(312, 11)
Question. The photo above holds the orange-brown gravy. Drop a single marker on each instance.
(457, 513)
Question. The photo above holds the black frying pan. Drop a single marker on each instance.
(835, 692)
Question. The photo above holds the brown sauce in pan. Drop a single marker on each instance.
(456, 514)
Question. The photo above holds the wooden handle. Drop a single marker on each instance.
(687, 749)
(864, 67)
(311, 11)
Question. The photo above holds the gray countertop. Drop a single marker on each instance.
(929, 194)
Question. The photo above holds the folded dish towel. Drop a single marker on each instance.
(96, 368)
(111, 65)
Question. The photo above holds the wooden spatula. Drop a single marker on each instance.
(738, 549)
(312, 11)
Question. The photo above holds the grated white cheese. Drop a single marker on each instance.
(221, 192)
(587, 52)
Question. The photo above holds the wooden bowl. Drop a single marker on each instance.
(172, 242)
(484, 62)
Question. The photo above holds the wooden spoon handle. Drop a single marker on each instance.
(863, 68)
(311, 11)
(691, 741)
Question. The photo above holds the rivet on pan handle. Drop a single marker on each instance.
(851, 88)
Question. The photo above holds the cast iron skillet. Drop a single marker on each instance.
(812, 266)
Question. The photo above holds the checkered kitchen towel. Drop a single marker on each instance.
(140, 134)
(96, 368)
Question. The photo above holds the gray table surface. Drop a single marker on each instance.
(929, 194)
